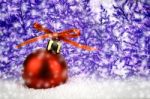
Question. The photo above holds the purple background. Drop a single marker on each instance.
(122, 39)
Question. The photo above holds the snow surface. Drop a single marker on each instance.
(80, 89)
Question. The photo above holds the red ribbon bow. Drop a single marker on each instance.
(64, 35)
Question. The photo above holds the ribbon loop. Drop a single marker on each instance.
(64, 35)
(71, 33)
(41, 29)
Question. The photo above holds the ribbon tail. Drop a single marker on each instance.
(33, 40)
(85, 47)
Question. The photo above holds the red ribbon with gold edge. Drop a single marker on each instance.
(64, 35)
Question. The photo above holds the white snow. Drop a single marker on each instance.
(80, 89)
(34, 12)
(24, 7)
(107, 4)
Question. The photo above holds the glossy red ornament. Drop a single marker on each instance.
(43, 69)
(46, 68)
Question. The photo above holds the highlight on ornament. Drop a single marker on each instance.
(46, 68)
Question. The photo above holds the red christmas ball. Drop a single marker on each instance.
(43, 69)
